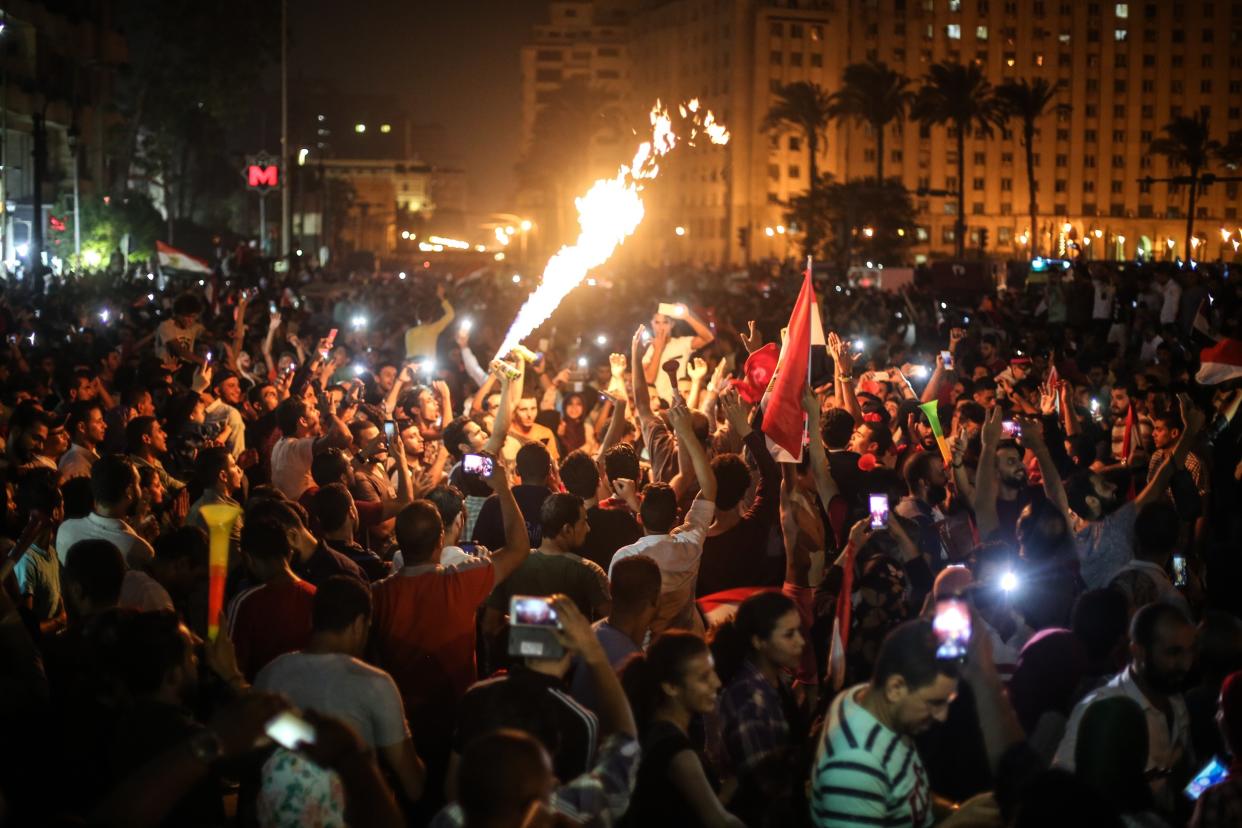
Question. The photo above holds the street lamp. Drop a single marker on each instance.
(769, 232)
(526, 225)
(780, 228)
(1121, 246)
(869, 232)
(679, 230)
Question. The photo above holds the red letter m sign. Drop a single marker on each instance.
(262, 177)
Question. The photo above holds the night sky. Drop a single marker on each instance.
(453, 62)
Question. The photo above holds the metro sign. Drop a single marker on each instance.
(262, 173)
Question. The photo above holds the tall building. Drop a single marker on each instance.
(1124, 69)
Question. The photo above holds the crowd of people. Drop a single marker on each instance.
(577, 584)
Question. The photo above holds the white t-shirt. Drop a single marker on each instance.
(291, 465)
(142, 592)
(679, 348)
(170, 331)
(343, 686)
(136, 550)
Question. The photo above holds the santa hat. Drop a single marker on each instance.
(1220, 363)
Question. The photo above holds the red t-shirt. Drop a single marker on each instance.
(423, 635)
(370, 512)
(270, 620)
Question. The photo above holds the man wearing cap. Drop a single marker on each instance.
(222, 397)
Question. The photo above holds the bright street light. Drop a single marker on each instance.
(526, 225)
(768, 231)
(1224, 234)
(679, 230)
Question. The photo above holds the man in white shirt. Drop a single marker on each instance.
(114, 483)
(328, 676)
(1162, 643)
(1171, 297)
(303, 438)
(223, 402)
(664, 346)
(87, 429)
(677, 552)
(175, 337)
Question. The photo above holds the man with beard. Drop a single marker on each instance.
(1104, 525)
(867, 771)
(927, 484)
(1162, 643)
(525, 429)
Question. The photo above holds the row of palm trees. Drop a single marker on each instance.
(962, 98)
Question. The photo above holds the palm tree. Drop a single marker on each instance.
(962, 97)
(872, 94)
(1028, 101)
(804, 107)
(1186, 142)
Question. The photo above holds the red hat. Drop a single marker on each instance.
(758, 373)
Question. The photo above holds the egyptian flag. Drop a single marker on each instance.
(784, 421)
(170, 258)
(841, 621)
(1220, 363)
(1202, 325)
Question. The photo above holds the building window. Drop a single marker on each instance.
(1120, 61)
(1006, 184)
(776, 58)
(548, 54)
(981, 32)
(1145, 211)
(1116, 187)
(981, 158)
(1119, 161)
(795, 144)
(1179, 35)
(1234, 113)
(950, 182)
(977, 208)
(1062, 134)
(869, 155)
(1119, 110)
(1205, 61)
(977, 183)
(947, 235)
(895, 156)
(547, 75)
(775, 85)
(1149, 60)
(1093, 111)
(1038, 59)
(1062, 160)
(795, 30)
(774, 172)
(1149, 86)
(953, 31)
(1145, 136)
(777, 29)
(1205, 86)
(1059, 186)
(1178, 60)
(1175, 87)
(1122, 10)
(1088, 161)
(1088, 186)
(1119, 35)
(817, 60)
(1006, 157)
(817, 33)
(1207, 35)
(1147, 111)
(795, 59)
(950, 208)
(1089, 135)
(795, 171)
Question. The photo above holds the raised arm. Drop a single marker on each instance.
(843, 378)
(825, 486)
(642, 395)
(679, 416)
(985, 475)
(1054, 488)
(698, 374)
(504, 411)
(703, 335)
(517, 543)
(615, 425)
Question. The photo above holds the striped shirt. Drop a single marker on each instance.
(865, 774)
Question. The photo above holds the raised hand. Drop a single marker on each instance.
(956, 335)
(617, 363)
(735, 412)
(840, 350)
(697, 369)
(992, 426)
(752, 340)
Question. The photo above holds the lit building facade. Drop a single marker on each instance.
(1124, 69)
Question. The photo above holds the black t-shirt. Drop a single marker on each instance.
(325, 562)
(489, 527)
(611, 529)
(656, 799)
(538, 704)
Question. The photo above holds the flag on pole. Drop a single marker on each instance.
(1201, 324)
(841, 621)
(1220, 363)
(784, 421)
(174, 259)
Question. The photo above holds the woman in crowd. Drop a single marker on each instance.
(670, 687)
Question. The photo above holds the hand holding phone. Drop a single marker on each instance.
(533, 626)
(879, 511)
(952, 627)
(479, 465)
(946, 359)
(390, 431)
(289, 730)
(1179, 570)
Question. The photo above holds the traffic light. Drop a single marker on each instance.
(743, 237)
(983, 238)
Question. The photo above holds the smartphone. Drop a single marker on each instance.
(1179, 570)
(1212, 772)
(879, 511)
(1011, 429)
(477, 464)
(290, 730)
(390, 431)
(271, 307)
(532, 628)
(946, 359)
(952, 628)
(208, 358)
(331, 337)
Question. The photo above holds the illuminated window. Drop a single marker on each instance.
(954, 31)
(1122, 10)
(1119, 35)
(981, 32)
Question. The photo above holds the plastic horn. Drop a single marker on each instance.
(219, 518)
(933, 419)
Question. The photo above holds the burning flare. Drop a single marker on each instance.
(608, 214)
